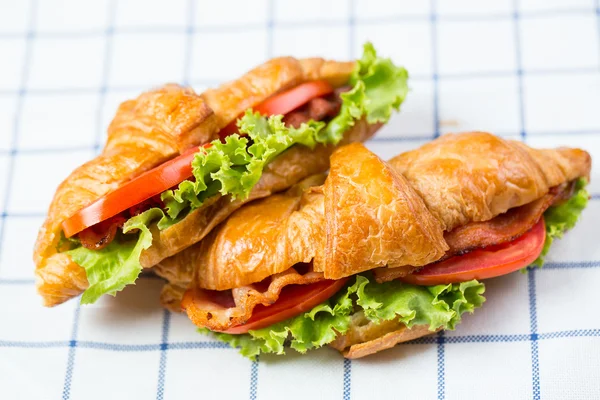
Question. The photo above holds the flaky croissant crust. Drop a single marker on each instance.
(149, 130)
(371, 213)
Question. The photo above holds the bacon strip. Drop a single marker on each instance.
(100, 235)
(318, 109)
(501, 229)
(221, 310)
(504, 228)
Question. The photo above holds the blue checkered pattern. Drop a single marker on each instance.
(524, 69)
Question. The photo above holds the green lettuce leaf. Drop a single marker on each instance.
(378, 88)
(563, 217)
(438, 306)
(117, 265)
(233, 168)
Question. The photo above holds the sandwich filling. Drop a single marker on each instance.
(381, 301)
(110, 250)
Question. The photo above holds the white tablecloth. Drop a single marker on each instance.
(526, 69)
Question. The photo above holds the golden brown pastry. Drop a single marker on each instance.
(464, 178)
(144, 133)
(321, 225)
(288, 169)
(445, 198)
(367, 214)
(161, 124)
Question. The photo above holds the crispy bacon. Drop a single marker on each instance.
(219, 311)
(319, 109)
(501, 229)
(100, 235)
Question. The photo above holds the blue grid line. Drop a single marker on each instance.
(45, 91)
(519, 65)
(570, 265)
(270, 27)
(117, 347)
(108, 51)
(598, 22)
(282, 24)
(487, 338)
(535, 364)
(162, 365)
(571, 333)
(18, 112)
(347, 379)
(114, 346)
(351, 28)
(33, 345)
(559, 133)
(23, 215)
(441, 369)
(206, 345)
(198, 345)
(254, 378)
(212, 345)
(505, 74)
(68, 91)
(66, 394)
(112, 7)
(17, 281)
(45, 150)
(387, 138)
(436, 128)
(189, 42)
(434, 69)
(508, 15)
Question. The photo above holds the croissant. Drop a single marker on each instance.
(165, 124)
(454, 195)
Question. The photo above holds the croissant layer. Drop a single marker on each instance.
(371, 214)
(155, 127)
(454, 194)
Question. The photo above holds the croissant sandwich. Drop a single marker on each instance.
(177, 163)
(377, 253)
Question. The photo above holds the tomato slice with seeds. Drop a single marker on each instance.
(485, 263)
(133, 192)
(175, 171)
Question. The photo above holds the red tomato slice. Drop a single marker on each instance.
(485, 263)
(133, 192)
(177, 170)
(285, 102)
(293, 300)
